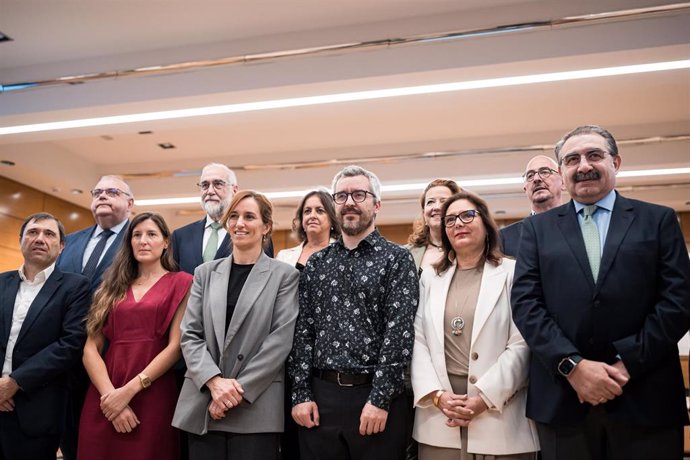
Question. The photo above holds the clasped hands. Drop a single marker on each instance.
(371, 421)
(115, 407)
(225, 394)
(596, 382)
(8, 388)
(460, 409)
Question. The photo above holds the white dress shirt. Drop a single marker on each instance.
(91, 245)
(28, 290)
(207, 234)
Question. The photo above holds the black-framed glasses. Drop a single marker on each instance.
(358, 196)
(543, 173)
(465, 217)
(111, 192)
(573, 159)
(217, 184)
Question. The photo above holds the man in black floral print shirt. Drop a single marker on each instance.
(354, 334)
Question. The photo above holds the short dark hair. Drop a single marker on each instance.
(492, 251)
(587, 129)
(327, 203)
(42, 216)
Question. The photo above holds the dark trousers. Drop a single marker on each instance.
(218, 445)
(79, 383)
(16, 445)
(337, 436)
(599, 437)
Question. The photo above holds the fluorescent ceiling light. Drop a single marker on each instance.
(418, 186)
(348, 97)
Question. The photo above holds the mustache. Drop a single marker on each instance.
(591, 175)
(350, 210)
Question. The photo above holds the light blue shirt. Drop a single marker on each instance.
(602, 218)
(91, 245)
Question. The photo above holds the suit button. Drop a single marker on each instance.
(240, 357)
(590, 341)
(597, 303)
(473, 379)
(475, 356)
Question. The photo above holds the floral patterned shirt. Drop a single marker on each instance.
(356, 316)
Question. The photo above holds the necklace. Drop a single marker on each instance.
(457, 323)
(437, 246)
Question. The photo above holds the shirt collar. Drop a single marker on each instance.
(371, 239)
(116, 229)
(605, 203)
(40, 276)
(209, 221)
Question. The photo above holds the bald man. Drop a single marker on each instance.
(543, 187)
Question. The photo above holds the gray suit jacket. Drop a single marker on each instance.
(253, 350)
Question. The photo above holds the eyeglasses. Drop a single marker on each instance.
(111, 192)
(465, 217)
(543, 173)
(574, 159)
(358, 196)
(217, 185)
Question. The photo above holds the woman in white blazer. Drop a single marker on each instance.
(316, 226)
(470, 363)
(236, 335)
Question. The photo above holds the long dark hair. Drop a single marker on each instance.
(122, 273)
(327, 203)
(492, 249)
(420, 230)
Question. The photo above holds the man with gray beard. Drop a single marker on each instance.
(207, 240)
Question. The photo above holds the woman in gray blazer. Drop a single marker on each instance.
(236, 335)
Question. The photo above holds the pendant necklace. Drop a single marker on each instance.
(437, 246)
(457, 324)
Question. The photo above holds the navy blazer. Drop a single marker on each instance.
(638, 309)
(510, 238)
(187, 246)
(48, 346)
(73, 255)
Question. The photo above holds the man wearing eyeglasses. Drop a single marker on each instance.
(543, 187)
(90, 252)
(602, 296)
(354, 334)
(207, 239)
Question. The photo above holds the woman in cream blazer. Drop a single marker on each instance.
(498, 356)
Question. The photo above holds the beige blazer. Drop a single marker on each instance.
(253, 351)
(498, 367)
(291, 255)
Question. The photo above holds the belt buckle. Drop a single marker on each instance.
(337, 376)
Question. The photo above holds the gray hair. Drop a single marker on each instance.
(354, 171)
(588, 129)
(232, 179)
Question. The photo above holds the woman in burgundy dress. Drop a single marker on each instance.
(137, 311)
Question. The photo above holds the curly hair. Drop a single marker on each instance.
(420, 230)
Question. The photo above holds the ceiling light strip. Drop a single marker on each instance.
(350, 97)
(417, 186)
(341, 48)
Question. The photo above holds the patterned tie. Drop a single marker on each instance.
(91, 265)
(590, 233)
(212, 245)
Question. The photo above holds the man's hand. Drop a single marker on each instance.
(623, 371)
(372, 420)
(7, 406)
(596, 382)
(306, 414)
(226, 393)
(8, 388)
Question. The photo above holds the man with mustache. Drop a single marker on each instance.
(543, 187)
(206, 239)
(90, 252)
(354, 334)
(602, 296)
(41, 339)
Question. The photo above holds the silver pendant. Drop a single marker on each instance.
(457, 324)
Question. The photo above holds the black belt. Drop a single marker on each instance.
(344, 380)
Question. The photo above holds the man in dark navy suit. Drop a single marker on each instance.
(602, 296)
(206, 239)
(41, 338)
(543, 187)
(90, 252)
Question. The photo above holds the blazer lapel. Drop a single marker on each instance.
(9, 289)
(493, 280)
(622, 217)
(253, 287)
(110, 253)
(224, 248)
(437, 301)
(40, 302)
(218, 299)
(570, 228)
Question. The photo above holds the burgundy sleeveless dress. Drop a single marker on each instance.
(136, 333)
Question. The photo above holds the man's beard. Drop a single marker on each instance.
(214, 209)
(354, 228)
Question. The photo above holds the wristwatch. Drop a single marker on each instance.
(567, 364)
(145, 380)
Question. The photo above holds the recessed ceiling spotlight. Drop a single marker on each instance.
(166, 145)
(7, 162)
(5, 38)
(499, 212)
(145, 132)
(105, 137)
(55, 189)
(76, 191)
